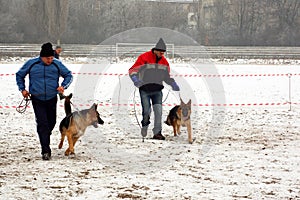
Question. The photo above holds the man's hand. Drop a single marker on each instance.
(174, 86)
(137, 82)
(25, 93)
(61, 89)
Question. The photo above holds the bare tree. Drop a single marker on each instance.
(219, 22)
(55, 17)
(288, 13)
(9, 23)
(223, 28)
(248, 20)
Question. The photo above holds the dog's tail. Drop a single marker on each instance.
(68, 109)
(167, 122)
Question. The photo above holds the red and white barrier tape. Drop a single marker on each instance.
(186, 75)
(183, 75)
(199, 75)
(171, 105)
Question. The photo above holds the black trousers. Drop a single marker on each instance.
(45, 117)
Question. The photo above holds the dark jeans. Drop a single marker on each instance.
(156, 99)
(45, 117)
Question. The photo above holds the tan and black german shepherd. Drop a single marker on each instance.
(75, 123)
(180, 115)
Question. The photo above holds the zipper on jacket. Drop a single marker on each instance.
(157, 59)
(45, 81)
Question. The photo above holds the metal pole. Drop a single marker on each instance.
(290, 91)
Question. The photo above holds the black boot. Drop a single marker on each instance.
(159, 136)
(46, 156)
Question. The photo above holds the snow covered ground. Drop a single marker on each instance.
(247, 137)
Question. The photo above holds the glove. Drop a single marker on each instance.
(174, 86)
(136, 81)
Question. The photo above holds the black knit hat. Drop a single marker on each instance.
(47, 50)
(160, 45)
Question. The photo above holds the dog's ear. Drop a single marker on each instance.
(189, 103)
(67, 98)
(181, 102)
(95, 105)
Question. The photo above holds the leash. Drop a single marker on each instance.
(26, 101)
(179, 95)
(134, 102)
(137, 120)
(134, 108)
(120, 85)
(166, 97)
(23, 105)
(76, 108)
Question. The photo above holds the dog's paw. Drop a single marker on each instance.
(192, 140)
(72, 156)
(67, 152)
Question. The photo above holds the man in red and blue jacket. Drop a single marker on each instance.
(148, 73)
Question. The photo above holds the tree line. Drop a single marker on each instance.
(217, 22)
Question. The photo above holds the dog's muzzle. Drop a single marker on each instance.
(95, 124)
(99, 121)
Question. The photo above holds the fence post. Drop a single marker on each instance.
(290, 91)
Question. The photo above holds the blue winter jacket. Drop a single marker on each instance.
(43, 79)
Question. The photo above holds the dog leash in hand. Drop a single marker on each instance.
(23, 105)
(26, 101)
(134, 108)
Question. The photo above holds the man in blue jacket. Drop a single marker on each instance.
(44, 72)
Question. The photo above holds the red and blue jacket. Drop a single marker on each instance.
(152, 71)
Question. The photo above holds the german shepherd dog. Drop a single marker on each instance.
(75, 123)
(179, 116)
